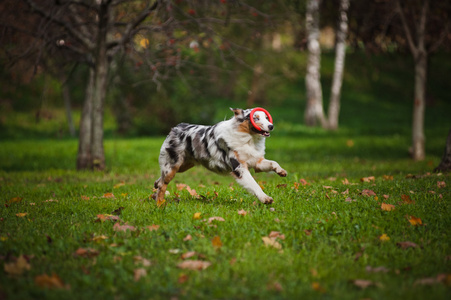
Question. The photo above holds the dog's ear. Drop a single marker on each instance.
(238, 112)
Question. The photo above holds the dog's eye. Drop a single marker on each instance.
(267, 118)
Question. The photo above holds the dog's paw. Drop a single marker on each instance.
(267, 200)
(282, 173)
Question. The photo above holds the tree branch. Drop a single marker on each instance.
(77, 35)
(412, 46)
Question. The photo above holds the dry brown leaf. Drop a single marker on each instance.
(387, 207)
(242, 212)
(216, 242)
(15, 200)
(50, 282)
(108, 195)
(363, 284)
(368, 179)
(188, 238)
(106, 217)
(86, 252)
(188, 255)
(269, 242)
(276, 234)
(194, 265)
(125, 227)
(21, 215)
(367, 193)
(441, 184)
(407, 244)
(139, 273)
(99, 238)
(183, 278)
(153, 227)
(415, 221)
(215, 219)
(317, 287)
(345, 192)
(380, 269)
(406, 199)
(18, 267)
(143, 261)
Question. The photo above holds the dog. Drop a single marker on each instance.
(228, 147)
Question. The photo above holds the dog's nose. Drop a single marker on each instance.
(270, 127)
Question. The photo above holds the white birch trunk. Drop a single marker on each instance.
(314, 107)
(340, 54)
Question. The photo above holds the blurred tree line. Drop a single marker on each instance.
(156, 63)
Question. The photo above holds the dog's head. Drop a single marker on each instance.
(261, 120)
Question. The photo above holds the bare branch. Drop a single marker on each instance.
(412, 46)
(77, 35)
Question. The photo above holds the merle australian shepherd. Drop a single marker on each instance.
(229, 147)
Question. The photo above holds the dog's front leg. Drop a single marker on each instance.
(245, 179)
(265, 165)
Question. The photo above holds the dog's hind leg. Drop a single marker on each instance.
(161, 184)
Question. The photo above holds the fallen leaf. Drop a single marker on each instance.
(215, 219)
(142, 261)
(216, 242)
(387, 207)
(192, 192)
(387, 177)
(174, 251)
(108, 195)
(125, 227)
(242, 212)
(368, 179)
(276, 234)
(317, 287)
(441, 184)
(180, 186)
(188, 238)
(328, 187)
(350, 143)
(196, 216)
(407, 244)
(84, 198)
(384, 237)
(99, 238)
(415, 221)
(367, 193)
(21, 215)
(153, 227)
(106, 217)
(269, 242)
(118, 185)
(86, 252)
(51, 200)
(50, 282)
(345, 181)
(363, 284)
(183, 278)
(188, 255)
(406, 199)
(380, 269)
(308, 231)
(15, 200)
(282, 185)
(194, 265)
(345, 192)
(303, 181)
(138, 273)
(18, 267)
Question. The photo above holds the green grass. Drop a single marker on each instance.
(330, 239)
(344, 239)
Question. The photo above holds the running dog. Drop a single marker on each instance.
(232, 146)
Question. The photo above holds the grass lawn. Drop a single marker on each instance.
(329, 233)
(354, 219)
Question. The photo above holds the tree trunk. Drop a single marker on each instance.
(314, 109)
(418, 140)
(84, 141)
(90, 152)
(445, 163)
(340, 54)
